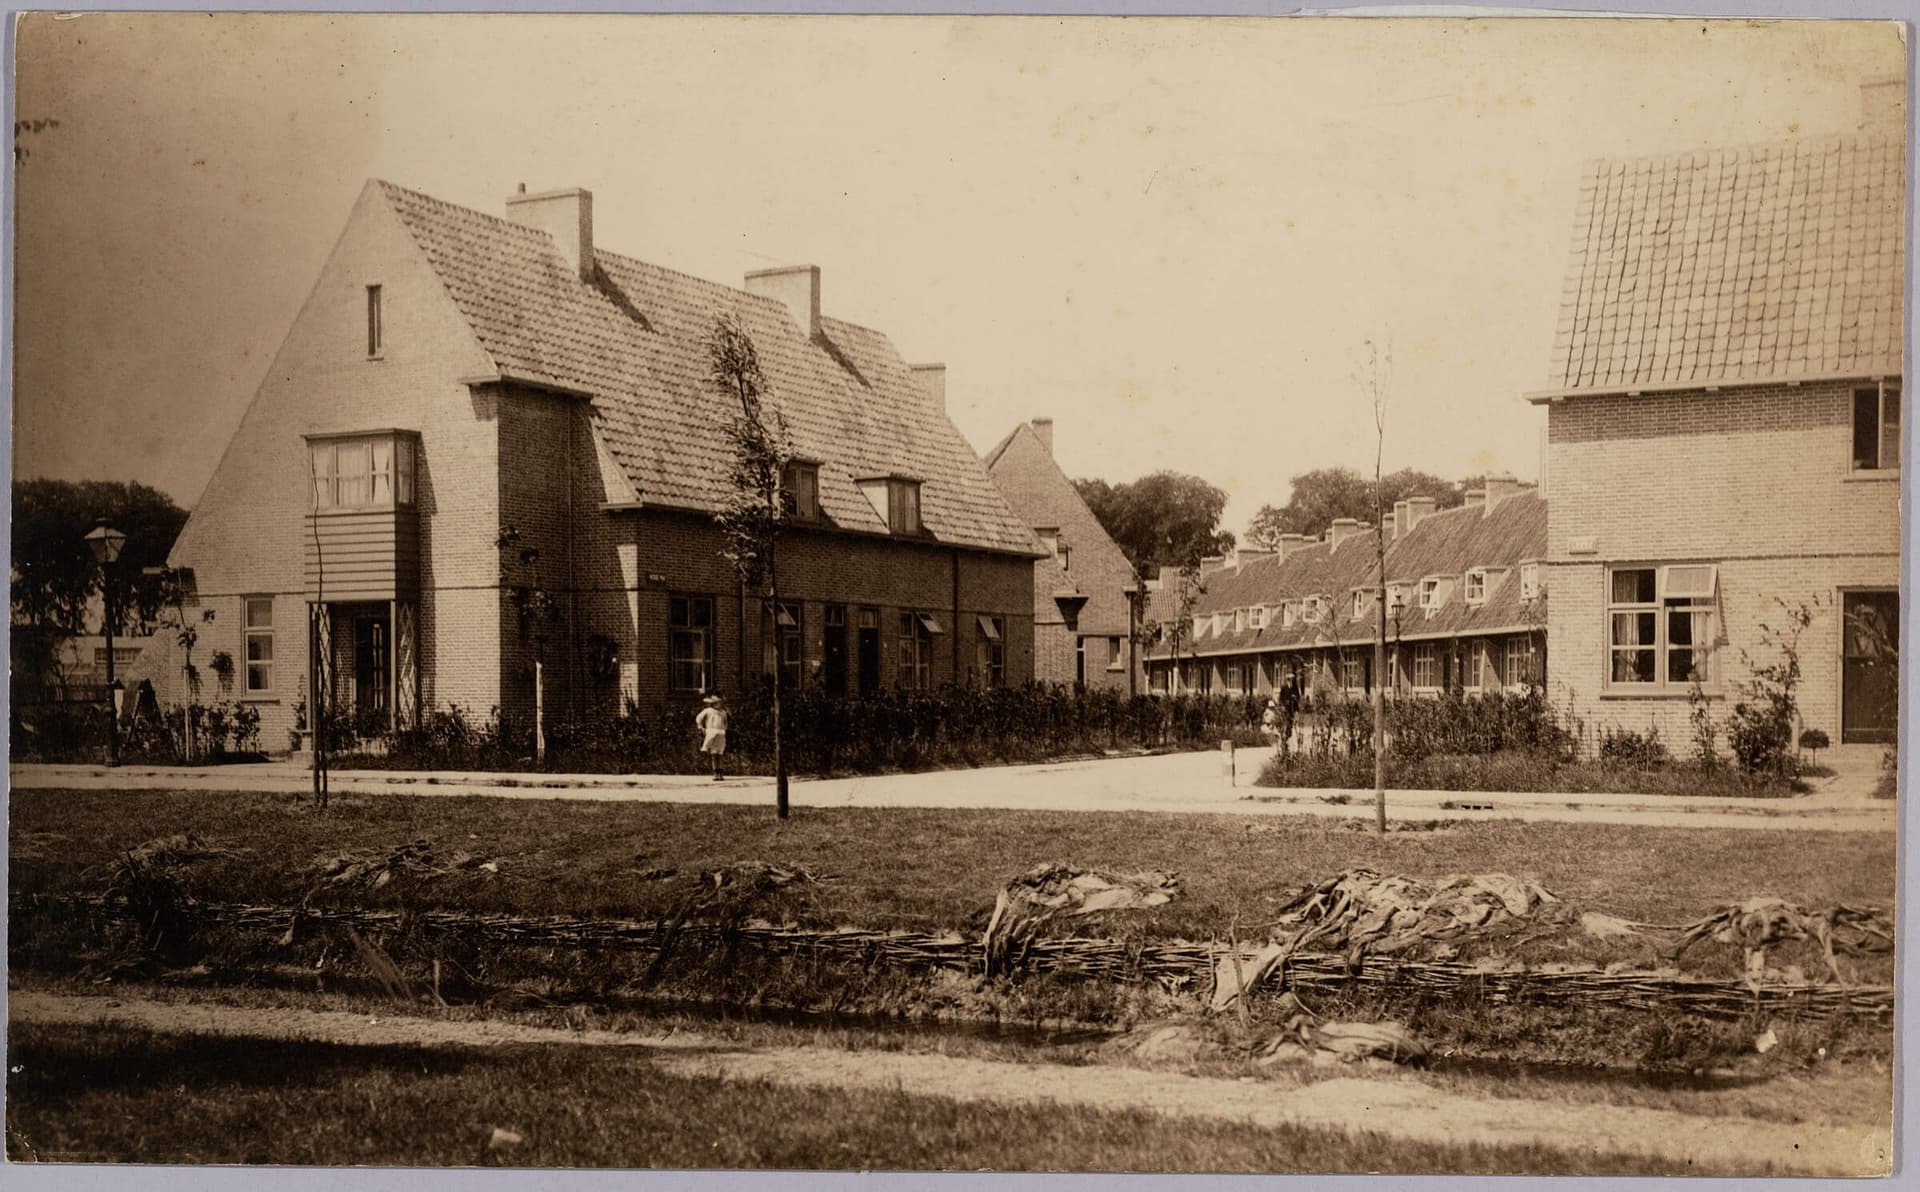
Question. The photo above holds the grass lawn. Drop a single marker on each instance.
(922, 869)
(115, 1094)
(1516, 771)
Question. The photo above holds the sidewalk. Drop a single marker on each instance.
(1181, 782)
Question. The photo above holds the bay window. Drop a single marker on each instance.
(362, 471)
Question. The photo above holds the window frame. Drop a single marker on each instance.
(1519, 649)
(1663, 607)
(1426, 659)
(798, 477)
(325, 475)
(702, 657)
(250, 632)
(1530, 586)
(1474, 576)
(903, 514)
(913, 662)
(783, 649)
(376, 322)
(1430, 598)
(1885, 395)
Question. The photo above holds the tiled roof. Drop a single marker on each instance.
(1041, 495)
(1447, 543)
(1779, 261)
(634, 342)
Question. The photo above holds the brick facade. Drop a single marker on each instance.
(1756, 480)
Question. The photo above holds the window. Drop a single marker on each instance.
(690, 643)
(1476, 587)
(1519, 661)
(1239, 620)
(258, 629)
(1876, 427)
(1288, 613)
(903, 506)
(1353, 665)
(1661, 624)
(1362, 603)
(1430, 597)
(1257, 616)
(990, 651)
(916, 650)
(1426, 665)
(370, 472)
(1310, 610)
(376, 334)
(1530, 588)
(1116, 661)
(801, 483)
(781, 648)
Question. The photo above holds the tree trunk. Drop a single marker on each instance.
(779, 732)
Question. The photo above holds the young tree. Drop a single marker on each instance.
(757, 503)
(1373, 374)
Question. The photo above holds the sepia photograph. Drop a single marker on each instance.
(1293, 595)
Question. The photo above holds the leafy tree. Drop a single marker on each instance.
(1322, 495)
(55, 575)
(1166, 519)
(757, 504)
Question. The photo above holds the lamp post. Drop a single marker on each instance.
(106, 543)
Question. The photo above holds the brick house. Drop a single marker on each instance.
(455, 372)
(1465, 608)
(1082, 614)
(1724, 431)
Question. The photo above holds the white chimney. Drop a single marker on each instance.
(1500, 486)
(1418, 510)
(1399, 520)
(1290, 543)
(1044, 428)
(1476, 498)
(1344, 528)
(566, 215)
(797, 287)
(933, 382)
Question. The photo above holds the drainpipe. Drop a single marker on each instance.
(955, 678)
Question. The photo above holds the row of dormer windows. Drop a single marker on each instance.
(1429, 594)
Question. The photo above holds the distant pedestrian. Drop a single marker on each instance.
(1288, 697)
(711, 720)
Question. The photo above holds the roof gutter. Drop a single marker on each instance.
(1542, 396)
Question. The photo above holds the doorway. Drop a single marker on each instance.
(836, 650)
(1869, 667)
(869, 647)
(372, 670)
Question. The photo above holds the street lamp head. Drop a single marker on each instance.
(106, 543)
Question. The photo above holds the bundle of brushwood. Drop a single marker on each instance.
(1051, 890)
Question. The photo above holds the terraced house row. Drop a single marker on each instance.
(1466, 606)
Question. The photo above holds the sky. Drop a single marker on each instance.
(1172, 236)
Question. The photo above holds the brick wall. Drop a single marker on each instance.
(1756, 480)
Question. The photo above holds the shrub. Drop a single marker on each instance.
(1626, 750)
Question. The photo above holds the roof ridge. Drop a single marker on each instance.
(422, 196)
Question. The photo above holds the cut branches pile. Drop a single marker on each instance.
(1050, 890)
(1757, 923)
(373, 868)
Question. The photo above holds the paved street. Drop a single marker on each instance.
(1181, 782)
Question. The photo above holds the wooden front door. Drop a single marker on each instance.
(1869, 666)
(869, 643)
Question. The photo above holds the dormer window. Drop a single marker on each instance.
(1530, 588)
(370, 471)
(800, 481)
(1288, 613)
(896, 498)
(1257, 616)
(1476, 588)
(376, 334)
(903, 506)
(1239, 620)
(1362, 601)
(1430, 597)
(1310, 611)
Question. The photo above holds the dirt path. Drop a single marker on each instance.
(1396, 1108)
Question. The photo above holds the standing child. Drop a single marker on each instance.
(711, 720)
